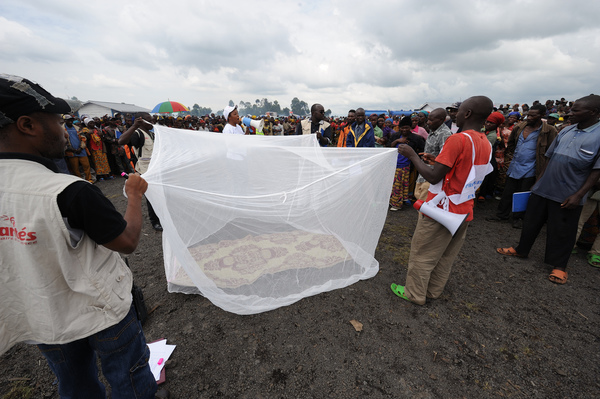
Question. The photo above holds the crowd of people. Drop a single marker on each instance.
(70, 292)
(97, 136)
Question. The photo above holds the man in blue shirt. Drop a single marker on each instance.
(362, 133)
(558, 196)
(527, 144)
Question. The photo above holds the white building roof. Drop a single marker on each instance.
(118, 107)
(430, 106)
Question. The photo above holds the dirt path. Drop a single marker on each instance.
(501, 329)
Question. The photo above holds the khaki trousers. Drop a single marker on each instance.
(432, 253)
(421, 190)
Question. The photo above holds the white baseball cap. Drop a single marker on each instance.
(228, 109)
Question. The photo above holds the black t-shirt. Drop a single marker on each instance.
(84, 205)
(415, 141)
(87, 209)
(137, 139)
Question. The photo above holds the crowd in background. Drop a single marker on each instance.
(93, 151)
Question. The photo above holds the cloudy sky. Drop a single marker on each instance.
(343, 54)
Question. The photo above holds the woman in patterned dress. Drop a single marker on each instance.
(98, 150)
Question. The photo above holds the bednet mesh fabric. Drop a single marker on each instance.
(254, 223)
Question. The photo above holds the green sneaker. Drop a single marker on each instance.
(399, 290)
(593, 260)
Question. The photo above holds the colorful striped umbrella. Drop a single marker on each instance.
(169, 106)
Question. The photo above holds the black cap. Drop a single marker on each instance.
(19, 96)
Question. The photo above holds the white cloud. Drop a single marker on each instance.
(343, 54)
(18, 42)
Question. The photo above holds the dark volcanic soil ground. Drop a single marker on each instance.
(501, 329)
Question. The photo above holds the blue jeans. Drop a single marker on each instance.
(124, 357)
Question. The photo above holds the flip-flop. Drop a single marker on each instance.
(509, 252)
(558, 276)
(593, 260)
(399, 290)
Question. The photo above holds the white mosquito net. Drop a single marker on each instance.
(254, 223)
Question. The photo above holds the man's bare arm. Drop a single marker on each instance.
(432, 175)
(127, 241)
(125, 137)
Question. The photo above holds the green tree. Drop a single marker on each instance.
(299, 107)
(262, 106)
(231, 103)
(200, 111)
(195, 110)
(328, 113)
(244, 108)
(266, 106)
(295, 105)
(276, 107)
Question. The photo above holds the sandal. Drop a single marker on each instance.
(399, 290)
(593, 260)
(558, 276)
(509, 252)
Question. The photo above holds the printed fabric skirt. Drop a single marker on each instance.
(101, 161)
(400, 187)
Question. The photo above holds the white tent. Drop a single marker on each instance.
(258, 222)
